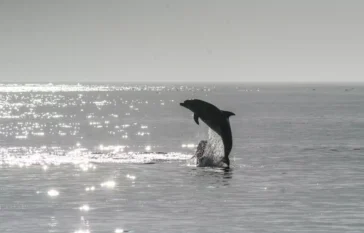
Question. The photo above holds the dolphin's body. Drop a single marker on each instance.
(216, 119)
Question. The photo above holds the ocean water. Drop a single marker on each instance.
(116, 158)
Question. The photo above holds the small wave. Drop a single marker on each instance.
(333, 148)
(80, 156)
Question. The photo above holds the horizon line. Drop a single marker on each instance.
(181, 82)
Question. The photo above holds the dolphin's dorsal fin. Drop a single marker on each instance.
(228, 114)
(195, 117)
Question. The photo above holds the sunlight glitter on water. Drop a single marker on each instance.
(191, 145)
(52, 124)
(86, 167)
(53, 111)
(53, 193)
(75, 88)
(88, 189)
(118, 230)
(81, 157)
(84, 208)
(281, 195)
(108, 184)
(131, 177)
(82, 231)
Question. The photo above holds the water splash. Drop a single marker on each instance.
(212, 153)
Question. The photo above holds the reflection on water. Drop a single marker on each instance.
(53, 224)
(109, 158)
(82, 231)
(53, 193)
(84, 158)
(85, 208)
(213, 177)
(55, 124)
(108, 184)
(120, 230)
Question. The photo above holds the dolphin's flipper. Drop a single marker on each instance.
(195, 117)
(227, 114)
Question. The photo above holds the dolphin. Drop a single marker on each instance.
(216, 119)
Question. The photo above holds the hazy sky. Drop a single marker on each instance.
(189, 40)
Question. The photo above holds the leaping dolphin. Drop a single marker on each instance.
(216, 119)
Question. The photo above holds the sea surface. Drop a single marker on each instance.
(84, 158)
